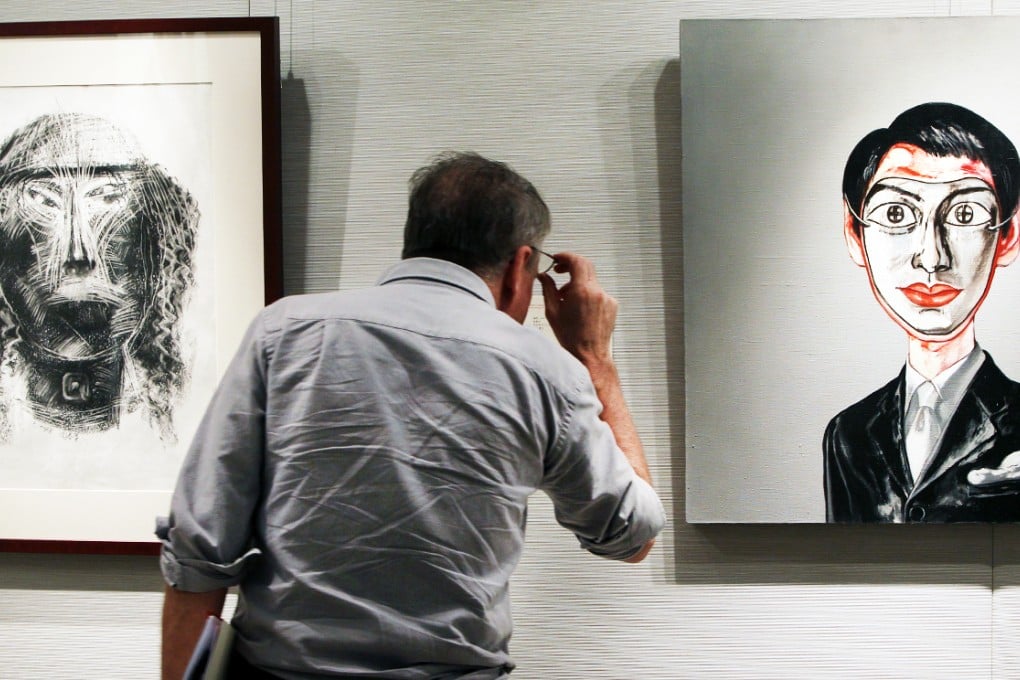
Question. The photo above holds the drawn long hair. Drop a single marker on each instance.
(168, 215)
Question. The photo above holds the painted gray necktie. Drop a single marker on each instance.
(923, 432)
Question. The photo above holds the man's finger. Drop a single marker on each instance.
(550, 293)
(580, 268)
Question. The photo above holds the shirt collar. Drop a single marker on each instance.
(441, 272)
(951, 383)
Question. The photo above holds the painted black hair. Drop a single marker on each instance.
(940, 129)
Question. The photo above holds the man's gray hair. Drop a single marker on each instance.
(473, 211)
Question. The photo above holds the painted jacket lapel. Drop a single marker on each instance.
(885, 432)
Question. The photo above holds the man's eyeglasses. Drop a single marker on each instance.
(545, 261)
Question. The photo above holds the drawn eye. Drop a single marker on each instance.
(42, 197)
(968, 214)
(894, 217)
(111, 193)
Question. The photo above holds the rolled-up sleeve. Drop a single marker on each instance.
(207, 539)
(595, 492)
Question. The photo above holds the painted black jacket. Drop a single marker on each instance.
(867, 477)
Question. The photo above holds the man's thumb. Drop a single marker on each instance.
(549, 292)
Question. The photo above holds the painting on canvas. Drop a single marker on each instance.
(850, 222)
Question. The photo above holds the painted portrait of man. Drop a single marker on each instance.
(930, 215)
(96, 247)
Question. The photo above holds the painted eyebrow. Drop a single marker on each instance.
(890, 187)
(973, 190)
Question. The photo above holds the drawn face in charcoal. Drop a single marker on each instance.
(73, 263)
(96, 247)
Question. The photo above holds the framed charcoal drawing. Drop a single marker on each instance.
(851, 232)
(139, 234)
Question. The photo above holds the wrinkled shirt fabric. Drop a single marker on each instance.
(363, 470)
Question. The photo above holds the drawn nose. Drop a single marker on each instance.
(80, 259)
(932, 253)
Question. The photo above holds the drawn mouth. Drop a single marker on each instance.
(923, 295)
(88, 290)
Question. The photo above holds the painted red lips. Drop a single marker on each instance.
(924, 295)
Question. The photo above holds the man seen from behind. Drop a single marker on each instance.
(362, 473)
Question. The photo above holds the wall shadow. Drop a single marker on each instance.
(120, 573)
(319, 105)
(1006, 542)
(296, 149)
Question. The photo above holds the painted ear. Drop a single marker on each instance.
(1009, 243)
(852, 234)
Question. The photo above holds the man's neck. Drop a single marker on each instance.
(929, 358)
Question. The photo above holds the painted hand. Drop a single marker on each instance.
(1008, 471)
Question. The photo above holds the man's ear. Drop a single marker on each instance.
(516, 284)
(1009, 243)
(852, 234)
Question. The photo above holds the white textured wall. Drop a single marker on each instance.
(583, 98)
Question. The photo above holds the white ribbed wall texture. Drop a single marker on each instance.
(583, 98)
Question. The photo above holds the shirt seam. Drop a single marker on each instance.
(558, 445)
(443, 336)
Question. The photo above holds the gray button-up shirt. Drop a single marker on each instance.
(363, 473)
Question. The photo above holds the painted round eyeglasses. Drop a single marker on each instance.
(899, 205)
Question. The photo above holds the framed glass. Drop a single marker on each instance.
(146, 155)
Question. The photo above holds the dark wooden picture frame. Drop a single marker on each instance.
(238, 62)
